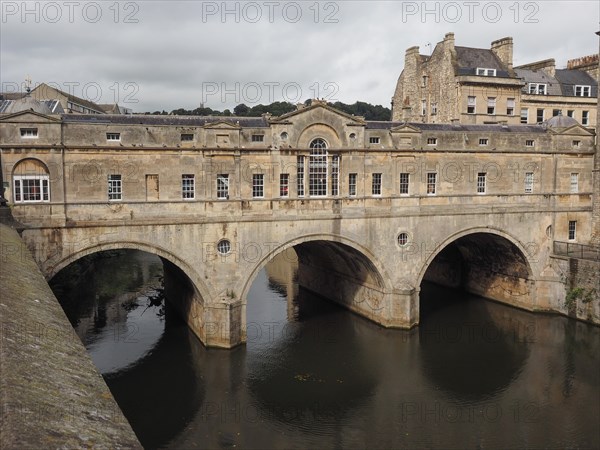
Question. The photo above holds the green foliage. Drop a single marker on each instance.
(579, 293)
(366, 110)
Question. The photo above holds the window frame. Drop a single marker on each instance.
(110, 137)
(284, 185)
(223, 186)
(115, 187)
(582, 88)
(536, 88)
(186, 137)
(511, 104)
(19, 188)
(29, 133)
(431, 183)
(491, 106)
(352, 184)
(485, 72)
(404, 183)
(572, 230)
(188, 186)
(472, 104)
(481, 183)
(376, 184)
(585, 118)
(258, 185)
(574, 183)
(318, 168)
(529, 182)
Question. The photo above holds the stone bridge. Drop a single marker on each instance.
(372, 209)
(355, 261)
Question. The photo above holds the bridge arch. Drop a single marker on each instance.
(50, 270)
(486, 261)
(348, 256)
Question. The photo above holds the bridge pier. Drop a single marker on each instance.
(397, 308)
(217, 324)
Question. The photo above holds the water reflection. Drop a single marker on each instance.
(474, 374)
(471, 348)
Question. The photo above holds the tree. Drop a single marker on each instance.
(241, 110)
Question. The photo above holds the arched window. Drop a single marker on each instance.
(317, 168)
(31, 182)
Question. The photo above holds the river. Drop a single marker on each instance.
(474, 374)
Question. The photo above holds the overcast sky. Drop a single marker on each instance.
(155, 55)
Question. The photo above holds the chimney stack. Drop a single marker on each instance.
(503, 49)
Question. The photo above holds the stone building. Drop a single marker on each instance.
(372, 208)
(58, 102)
(478, 86)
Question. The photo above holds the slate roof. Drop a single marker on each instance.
(71, 98)
(569, 78)
(492, 128)
(469, 59)
(188, 121)
(539, 76)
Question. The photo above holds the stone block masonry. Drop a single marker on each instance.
(51, 395)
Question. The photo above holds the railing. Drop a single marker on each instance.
(580, 251)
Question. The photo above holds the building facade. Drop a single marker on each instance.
(478, 86)
(371, 208)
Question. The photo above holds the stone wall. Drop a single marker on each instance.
(51, 394)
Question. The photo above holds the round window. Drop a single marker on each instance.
(402, 239)
(224, 246)
(352, 136)
(284, 136)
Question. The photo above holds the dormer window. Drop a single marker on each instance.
(29, 133)
(583, 91)
(538, 88)
(486, 72)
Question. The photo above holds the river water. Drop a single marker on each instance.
(474, 374)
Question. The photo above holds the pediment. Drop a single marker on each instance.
(574, 130)
(405, 128)
(29, 116)
(221, 125)
(320, 111)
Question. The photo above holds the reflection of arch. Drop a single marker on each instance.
(31, 181)
(472, 231)
(369, 260)
(51, 270)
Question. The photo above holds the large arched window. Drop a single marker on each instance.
(31, 182)
(317, 168)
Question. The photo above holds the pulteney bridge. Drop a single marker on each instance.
(371, 208)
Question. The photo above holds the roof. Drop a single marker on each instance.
(569, 78)
(561, 121)
(24, 104)
(495, 128)
(539, 76)
(71, 98)
(160, 120)
(469, 59)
